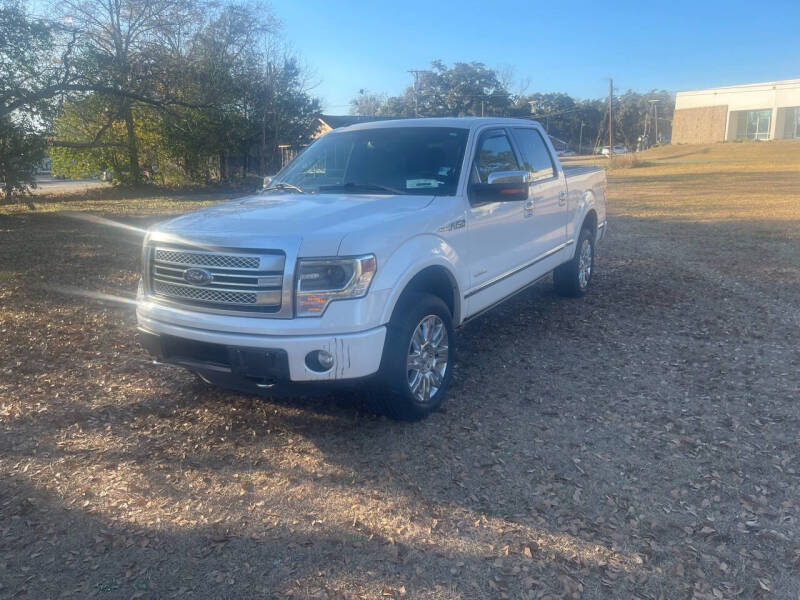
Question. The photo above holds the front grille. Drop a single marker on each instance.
(237, 280)
(209, 260)
(204, 295)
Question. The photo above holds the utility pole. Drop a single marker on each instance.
(415, 73)
(610, 117)
(482, 103)
(580, 140)
(654, 104)
(655, 119)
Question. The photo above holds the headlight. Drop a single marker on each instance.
(322, 280)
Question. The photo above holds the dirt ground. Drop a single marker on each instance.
(640, 442)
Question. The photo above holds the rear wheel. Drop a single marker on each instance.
(417, 363)
(573, 278)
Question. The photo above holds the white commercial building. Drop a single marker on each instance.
(759, 111)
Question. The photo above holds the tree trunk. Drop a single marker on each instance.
(133, 152)
(223, 166)
(262, 158)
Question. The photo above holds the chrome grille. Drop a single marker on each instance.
(204, 295)
(207, 260)
(237, 280)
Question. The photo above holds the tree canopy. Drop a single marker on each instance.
(472, 89)
(464, 89)
(25, 50)
(175, 91)
(165, 90)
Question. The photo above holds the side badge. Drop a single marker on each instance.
(460, 224)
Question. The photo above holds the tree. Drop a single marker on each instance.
(36, 61)
(473, 89)
(461, 90)
(106, 146)
(367, 104)
(576, 122)
(633, 111)
(253, 91)
(118, 45)
(25, 52)
(199, 98)
(21, 150)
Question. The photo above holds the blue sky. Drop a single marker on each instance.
(571, 46)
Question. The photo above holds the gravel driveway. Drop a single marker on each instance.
(638, 443)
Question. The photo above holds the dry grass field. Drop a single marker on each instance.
(640, 442)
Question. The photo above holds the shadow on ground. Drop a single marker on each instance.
(639, 441)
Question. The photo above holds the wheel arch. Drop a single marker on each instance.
(438, 280)
(425, 263)
(590, 221)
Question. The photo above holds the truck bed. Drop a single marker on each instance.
(574, 170)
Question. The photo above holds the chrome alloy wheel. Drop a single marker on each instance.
(585, 264)
(427, 359)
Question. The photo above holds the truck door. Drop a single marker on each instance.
(498, 232)
(546, 210)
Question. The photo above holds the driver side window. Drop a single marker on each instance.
(494, 154)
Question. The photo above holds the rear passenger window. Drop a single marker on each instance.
(535, 155)
(494, 154)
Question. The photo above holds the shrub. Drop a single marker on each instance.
(21, 151)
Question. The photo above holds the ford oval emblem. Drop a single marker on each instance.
(197, 276)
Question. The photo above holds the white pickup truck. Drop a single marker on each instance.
(360, 258)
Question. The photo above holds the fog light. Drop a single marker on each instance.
(319, 361)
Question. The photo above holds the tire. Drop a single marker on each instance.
(419, 333)
(572, 279)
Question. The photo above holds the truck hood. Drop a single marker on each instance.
(317, 222)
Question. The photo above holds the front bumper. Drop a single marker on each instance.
(261, 358)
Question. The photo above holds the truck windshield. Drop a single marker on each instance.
(390, 160)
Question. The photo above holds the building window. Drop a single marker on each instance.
(751, 124)
(758, 124)
(793, 122)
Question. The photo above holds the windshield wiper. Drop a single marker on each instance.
(370, 187)
(285, 186)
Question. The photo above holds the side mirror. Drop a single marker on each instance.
(501, 186)
(267, 180)
(507, 177)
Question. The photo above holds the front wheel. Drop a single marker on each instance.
(573, 278)
(417, 364)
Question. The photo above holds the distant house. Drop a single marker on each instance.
(324, 124)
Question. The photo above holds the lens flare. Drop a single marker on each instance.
(100, 296)
(171, 238)
(103, 221)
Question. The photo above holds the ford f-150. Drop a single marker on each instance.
(362, 256)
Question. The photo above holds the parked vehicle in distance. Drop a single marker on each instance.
(618, 149)
(365, 253)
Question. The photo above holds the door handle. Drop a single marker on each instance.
(527, 208)
(562, 198)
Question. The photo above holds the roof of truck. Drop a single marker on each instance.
(462, 122)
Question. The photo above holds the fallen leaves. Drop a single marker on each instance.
(640, 442)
